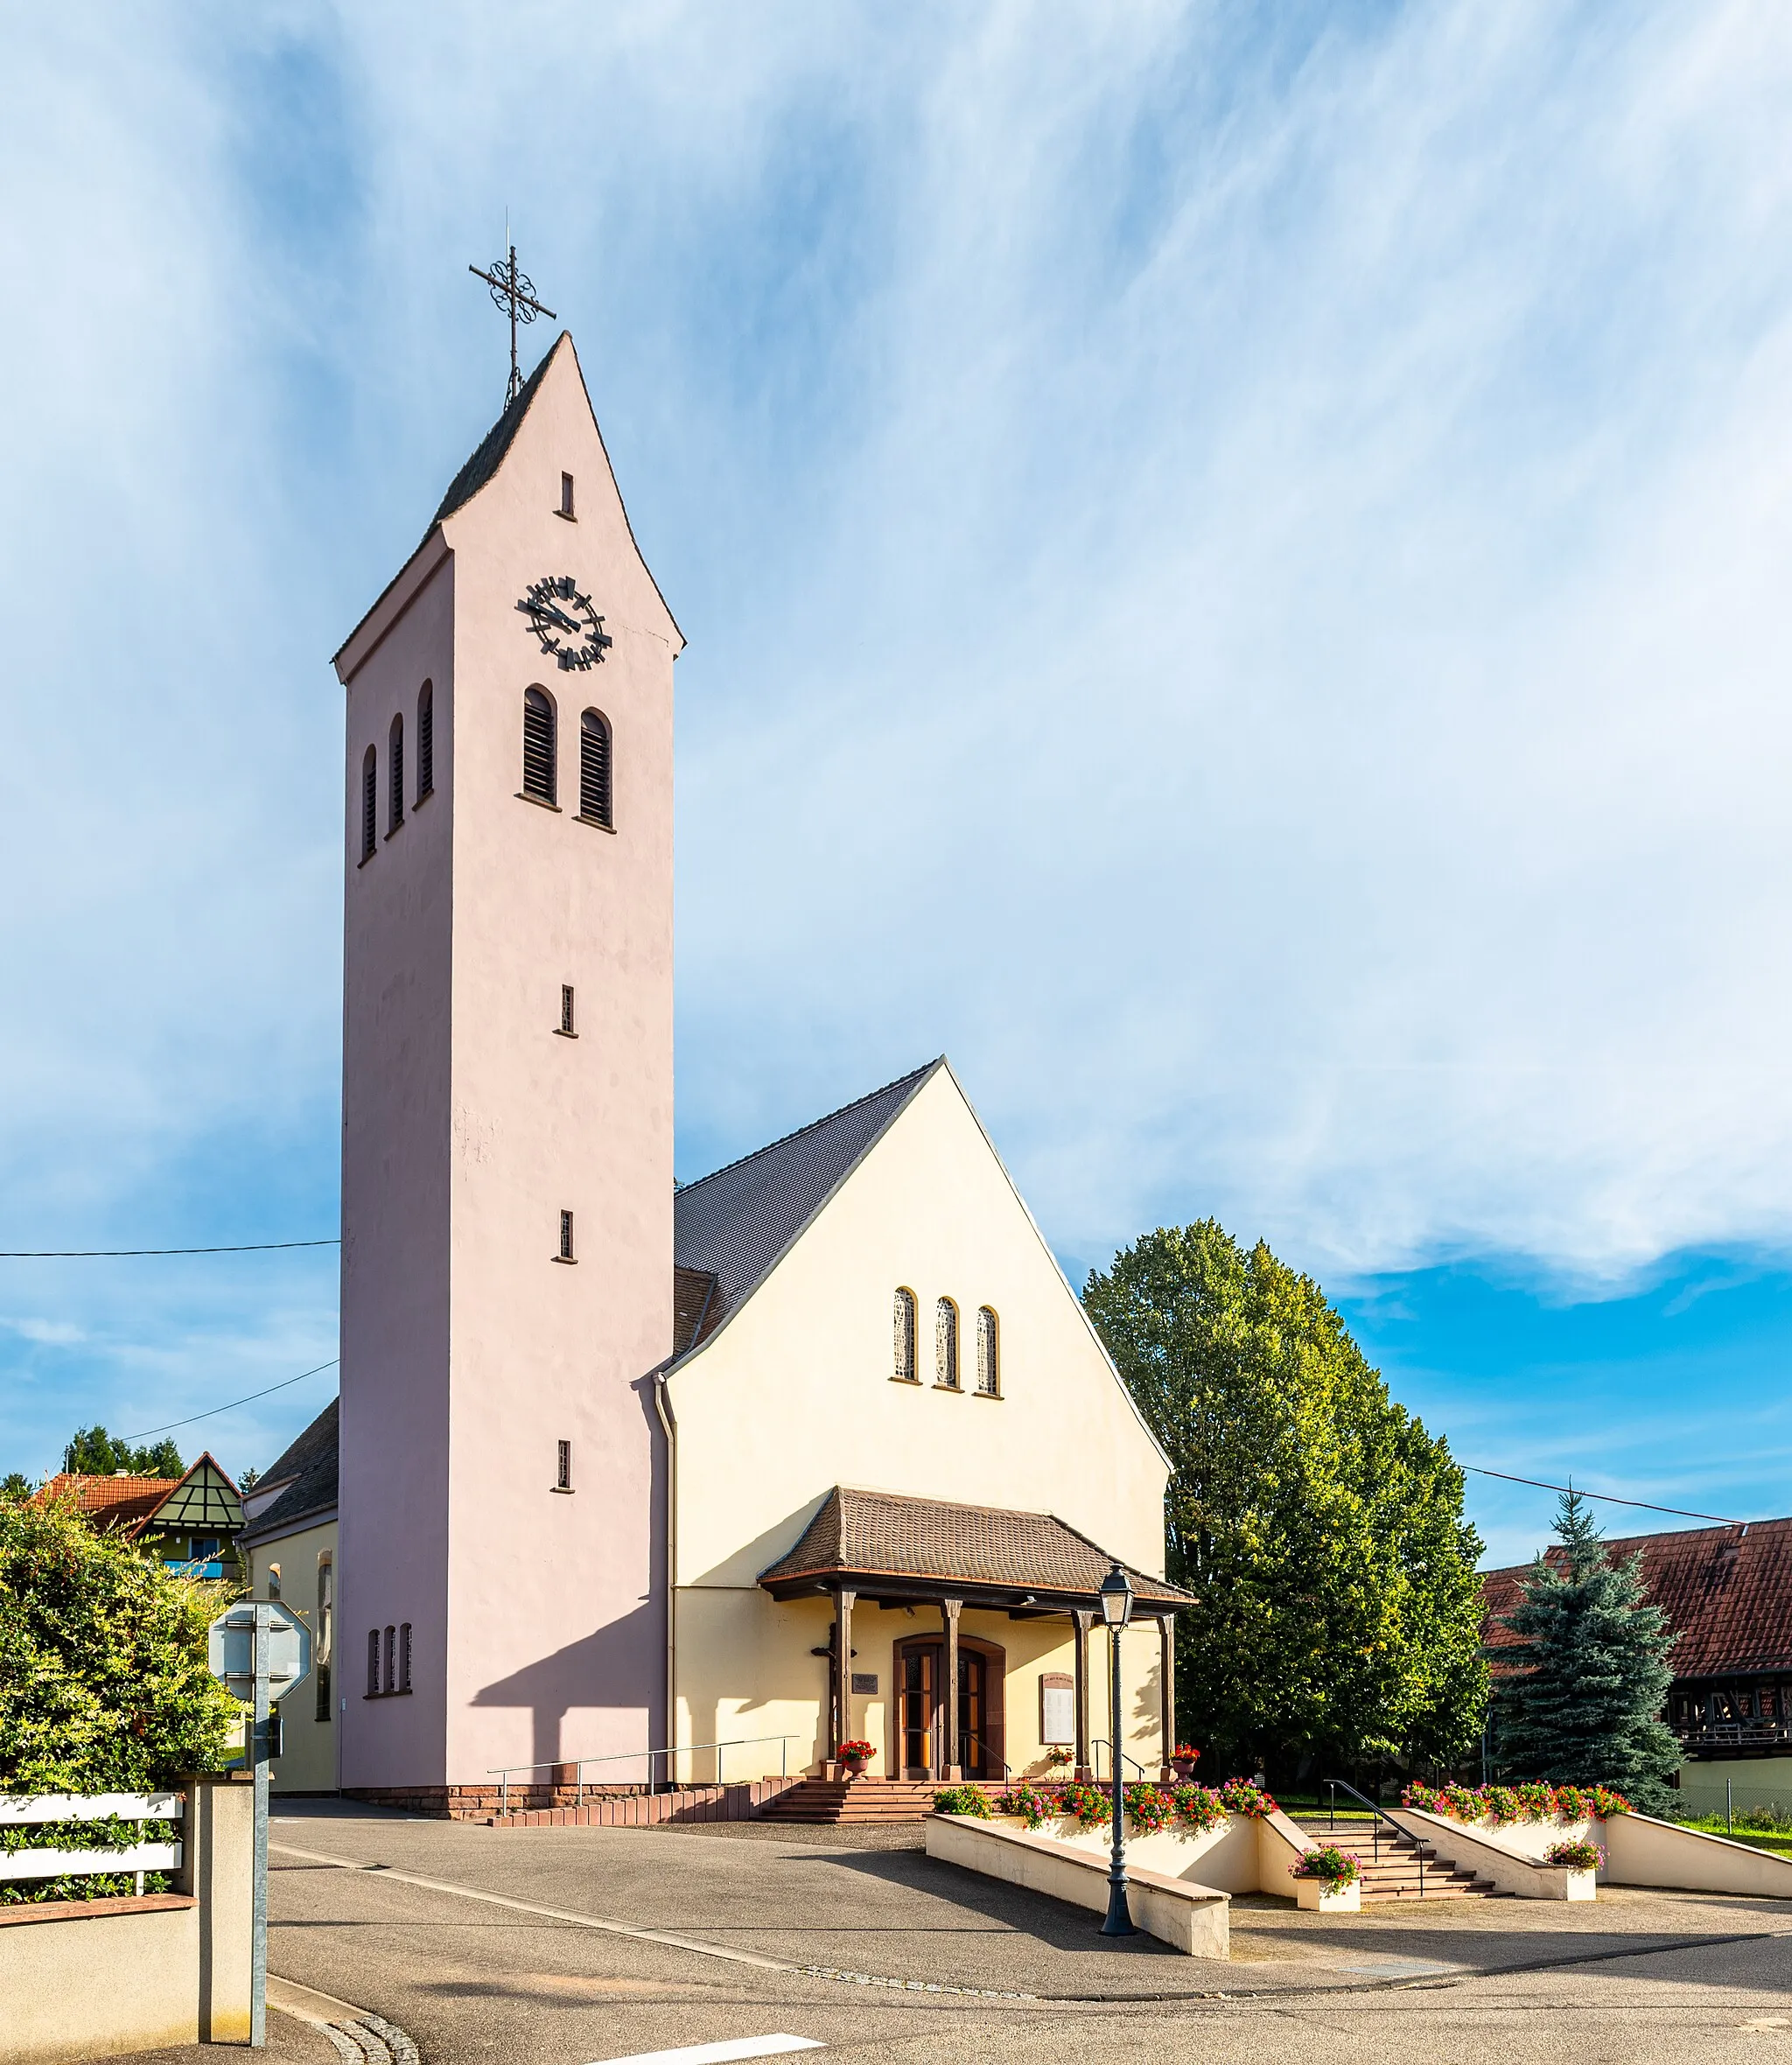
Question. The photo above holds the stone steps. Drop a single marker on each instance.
(853, 1801)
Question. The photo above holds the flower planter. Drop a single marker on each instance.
(853, 1766)
(1317, 1896)
(1569, 1882)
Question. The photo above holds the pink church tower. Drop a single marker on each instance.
(507, 1149)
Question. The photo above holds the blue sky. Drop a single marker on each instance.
(1234, 566)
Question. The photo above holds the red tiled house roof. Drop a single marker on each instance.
(1726, 1592)
(118, 1504)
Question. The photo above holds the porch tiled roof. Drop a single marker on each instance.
(1726, 1592)
(872, 1534)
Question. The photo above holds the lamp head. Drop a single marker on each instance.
(1115, 1596)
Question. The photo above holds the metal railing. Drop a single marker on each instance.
(1102, 1742)
(1007, 1769)
(1381, 1815)
(501, 1772)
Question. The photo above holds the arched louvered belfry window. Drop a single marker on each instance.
(369, 804)
(594, 769)
(946, 1344)
(425, 739)
(903, 1370)
(538, 745)
(394, 784)
(989, 1372)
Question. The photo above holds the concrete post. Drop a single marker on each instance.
(218, 1870)
(1166, 1693)
(840, 1712)
(1085, 1770)
(949, 1743)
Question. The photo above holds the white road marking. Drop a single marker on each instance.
(718, 2053)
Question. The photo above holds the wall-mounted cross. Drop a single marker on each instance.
(516, 292)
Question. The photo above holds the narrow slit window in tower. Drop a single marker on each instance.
(537, 745)
(425, 739)
(595, 799)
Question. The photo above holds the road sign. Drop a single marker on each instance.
(231, 1648)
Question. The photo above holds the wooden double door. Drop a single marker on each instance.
(921, 1748)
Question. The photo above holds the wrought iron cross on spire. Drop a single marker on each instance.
(516, 292)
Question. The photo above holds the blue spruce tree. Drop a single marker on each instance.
(1582, 1705)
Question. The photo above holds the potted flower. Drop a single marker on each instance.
(1328, 1880)
(1185, 1759)
(1579, 1864)
(856, 1755)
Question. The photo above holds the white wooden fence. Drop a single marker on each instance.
(17, 1809)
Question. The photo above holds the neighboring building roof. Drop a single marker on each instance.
(1726, 1593)
(876, 1534)
(311, 1463)
(735, 1225)
(204, 1500)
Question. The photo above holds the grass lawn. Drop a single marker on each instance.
(1774, 1839)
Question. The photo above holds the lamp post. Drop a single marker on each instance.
(1115, 1596)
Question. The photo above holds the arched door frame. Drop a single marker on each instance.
(995, 1661)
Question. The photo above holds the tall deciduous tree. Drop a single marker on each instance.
(1583, 1706)
(96, 1453)
(1319, 1525)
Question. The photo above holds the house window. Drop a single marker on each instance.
(538, 745)
(373, 1663)
(324, 1632)
(946, 1344)
(594, 797)
(566, 1254)
(395, 777)
(369, 804)
(904, 1371)
(405, 1655)
(425, 740)
(989, 1374)
(391, 1659)
(568, 1022)
(566, 508)
(562, 1477)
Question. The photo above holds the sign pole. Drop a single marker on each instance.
(258, 1759)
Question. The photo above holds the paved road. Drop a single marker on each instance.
(563, 1947)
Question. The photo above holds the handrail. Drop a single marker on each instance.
(1381, 1815)
(501, 1772)
(1102, 1742)
(1007, 1769)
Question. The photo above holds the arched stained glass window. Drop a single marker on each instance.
(538, 745)
(904, 1315)
(595, 802)
(989, 1374)
(946, 1344)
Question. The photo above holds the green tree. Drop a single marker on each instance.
(16, 1485)
(1585, 1707)
(1321, 1527)
(95, 1453)
(104, 1681)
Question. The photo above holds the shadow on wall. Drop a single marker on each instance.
(617, 1668)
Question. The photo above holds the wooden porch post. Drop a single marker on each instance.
(1166, 1693)
(1085, 1621)
(950, 1745)
(840, 1707)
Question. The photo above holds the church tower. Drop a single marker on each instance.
(507, 1152)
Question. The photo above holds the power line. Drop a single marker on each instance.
(1680, 1512)
(233, 1403)
(91, 1254)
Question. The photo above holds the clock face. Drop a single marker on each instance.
(561, 615)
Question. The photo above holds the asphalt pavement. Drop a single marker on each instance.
(571, 1946)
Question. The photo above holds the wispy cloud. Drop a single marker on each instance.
(1234, 560)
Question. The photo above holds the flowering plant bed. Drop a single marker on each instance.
(1506, 1803)
(963, 1799)
(1579, 1857)
(1033, 1806)
(1239, 1795)
(1148, 1808)
(1197, 1808)
(1336, 1867)
(1088, 1803)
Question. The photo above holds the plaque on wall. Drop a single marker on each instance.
(864, 1681)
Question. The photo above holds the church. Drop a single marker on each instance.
(643, 1484)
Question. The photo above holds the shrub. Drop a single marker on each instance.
(1336, 1867)
(1771, 1819)
(103, 1681)
(1579, 1857)
(963, 1799)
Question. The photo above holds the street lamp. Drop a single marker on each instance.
(1116, 1595)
